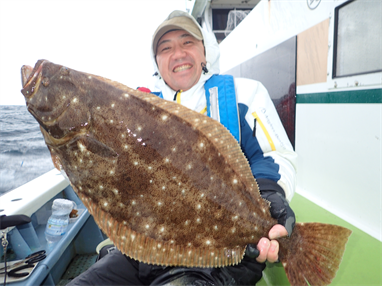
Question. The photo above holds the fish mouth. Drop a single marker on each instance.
(31, 78)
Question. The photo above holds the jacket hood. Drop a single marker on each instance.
(212, 56)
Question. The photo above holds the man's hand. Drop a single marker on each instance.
(269, 248)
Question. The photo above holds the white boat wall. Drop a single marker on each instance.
(330, 103)
(320, 52)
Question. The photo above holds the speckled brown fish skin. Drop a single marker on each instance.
(168, 185)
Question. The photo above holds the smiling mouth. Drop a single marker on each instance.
(182, 68)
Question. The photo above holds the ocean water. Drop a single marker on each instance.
(23, 153)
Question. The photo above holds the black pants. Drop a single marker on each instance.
(118, 269)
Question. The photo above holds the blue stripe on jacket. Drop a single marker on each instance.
(262, 167)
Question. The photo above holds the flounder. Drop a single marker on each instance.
(168, 185)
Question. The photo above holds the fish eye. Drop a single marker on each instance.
(64, 71)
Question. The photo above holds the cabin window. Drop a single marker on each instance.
(358, 32)
(224, 21)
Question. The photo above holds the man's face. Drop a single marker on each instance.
(179, 57)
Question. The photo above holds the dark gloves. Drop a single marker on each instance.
(280, 208)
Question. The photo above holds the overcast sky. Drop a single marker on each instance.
(109, 38)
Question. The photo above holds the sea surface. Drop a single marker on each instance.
(23, 153)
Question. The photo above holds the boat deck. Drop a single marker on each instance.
(78, 265)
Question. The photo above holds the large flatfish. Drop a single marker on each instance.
(168, 185)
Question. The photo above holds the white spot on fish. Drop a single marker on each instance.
(216, 227)
(115, 191)
(111, 172)
(126, 95)
(133, 203)
(81, 146)
(208, 243)
(135, 163)
(147, 226)
(89, 77)
(159, 203)
(105, 204)
(75, 100)
(125, 146)
(235, 181)
(101, 187)
(98, 108)
(164, 117)
(112, 105)
(201, 145)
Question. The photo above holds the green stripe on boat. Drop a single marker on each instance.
(349, 96)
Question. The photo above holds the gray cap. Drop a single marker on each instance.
(176, 23)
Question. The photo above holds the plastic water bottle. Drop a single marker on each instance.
(59, 220)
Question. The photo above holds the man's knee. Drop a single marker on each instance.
(113, 269)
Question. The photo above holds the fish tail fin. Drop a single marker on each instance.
(313, 253)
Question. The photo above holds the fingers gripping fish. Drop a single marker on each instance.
(168, 185)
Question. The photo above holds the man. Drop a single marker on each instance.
(186, 60)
